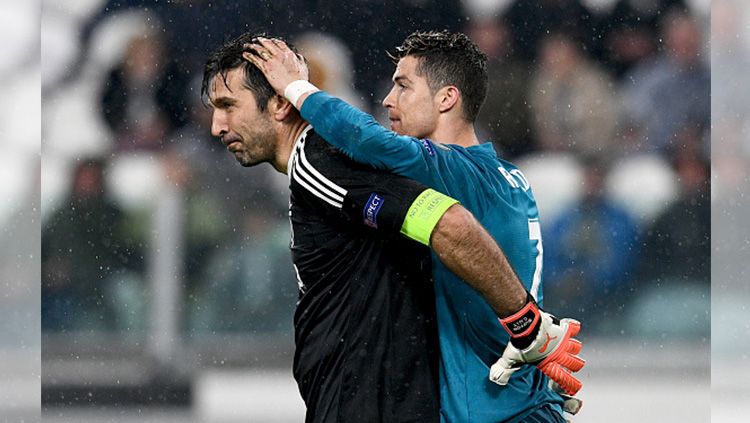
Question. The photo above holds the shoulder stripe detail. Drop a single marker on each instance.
(320, 176)
(322, 187)
(305, 172)
(300, 179)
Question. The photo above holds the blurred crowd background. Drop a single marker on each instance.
(607, 110)
(161, 256)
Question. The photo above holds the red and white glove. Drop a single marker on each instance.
(538, 338)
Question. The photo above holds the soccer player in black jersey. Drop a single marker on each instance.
(365, 330)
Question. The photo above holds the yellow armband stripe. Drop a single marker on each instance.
(424, 214)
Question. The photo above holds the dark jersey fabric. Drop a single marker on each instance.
(365, 328)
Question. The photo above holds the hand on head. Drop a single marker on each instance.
(277, 61)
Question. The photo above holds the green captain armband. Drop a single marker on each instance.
(424, 214)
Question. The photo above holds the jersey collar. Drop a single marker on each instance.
(297, 143)
(484, 148)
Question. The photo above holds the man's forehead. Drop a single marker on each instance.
(406, 68)
(228, 80)
(226, 84)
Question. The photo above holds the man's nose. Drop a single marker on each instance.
(388, 100)
(218, 125)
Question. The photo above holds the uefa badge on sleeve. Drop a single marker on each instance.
(371, 210)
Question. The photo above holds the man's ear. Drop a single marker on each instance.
(448, 97)
(280, 108)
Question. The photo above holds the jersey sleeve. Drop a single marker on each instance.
(363, 198)
(362, 138)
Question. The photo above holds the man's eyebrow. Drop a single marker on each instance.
(401, 78)
(222, 102)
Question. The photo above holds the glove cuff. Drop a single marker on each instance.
(523, 325)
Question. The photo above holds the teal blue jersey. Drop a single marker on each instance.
(499, 196)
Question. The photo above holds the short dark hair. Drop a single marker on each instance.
(228, 57)
(447, 58)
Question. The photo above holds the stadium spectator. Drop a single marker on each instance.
(678, 243)
(505, 116)
(530, 21)
(139, 97)
(572, 99)
(670, 92)
(594, 253)
(330, 63)
(183, 38)
(249, 283)
(629, 33)
(89, 257)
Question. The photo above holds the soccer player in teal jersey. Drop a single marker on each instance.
(439, 86)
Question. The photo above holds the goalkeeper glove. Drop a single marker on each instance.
(538, 338)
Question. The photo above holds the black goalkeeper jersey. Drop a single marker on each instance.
(365, 326)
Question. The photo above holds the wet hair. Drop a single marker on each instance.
(448, 58)
(229, 57)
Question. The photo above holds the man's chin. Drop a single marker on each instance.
(249, 161)
(242, 160)
(246, 163)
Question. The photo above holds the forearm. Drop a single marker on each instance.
(347, 128)
(360, 136)
(462, 244)
(302, 98)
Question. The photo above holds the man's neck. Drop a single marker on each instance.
(463, 135)
(288, 138)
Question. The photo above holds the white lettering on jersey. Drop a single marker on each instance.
(535, 234)
(515, 178)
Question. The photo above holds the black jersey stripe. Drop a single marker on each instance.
(314, 181)
(309, 175)
(327, 182)
(302, 177)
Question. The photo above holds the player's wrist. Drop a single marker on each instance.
(296, 89)
(523, 325)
